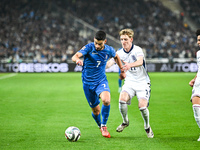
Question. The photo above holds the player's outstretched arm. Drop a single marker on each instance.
(191, 83)
(119, 63)
(110, 63)
(76, 58)
(137, 63)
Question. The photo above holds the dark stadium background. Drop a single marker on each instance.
(52, 31)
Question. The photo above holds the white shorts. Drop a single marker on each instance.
(142, 91)
(196, 89)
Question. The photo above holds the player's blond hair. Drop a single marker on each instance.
(128, 32)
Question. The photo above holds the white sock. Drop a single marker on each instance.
(145, 115)
(123, 108)
(196, 110)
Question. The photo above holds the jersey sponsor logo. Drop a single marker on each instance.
(94, 53)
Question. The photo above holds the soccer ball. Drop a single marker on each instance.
(73, 134)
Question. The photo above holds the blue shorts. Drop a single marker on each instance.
(92, 92)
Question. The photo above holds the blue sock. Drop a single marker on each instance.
(120, 82)
(105, 110)
(97, 119)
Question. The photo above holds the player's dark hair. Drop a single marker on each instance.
(100, 35)
(198, 32)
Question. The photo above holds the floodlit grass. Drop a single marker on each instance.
(36, 108)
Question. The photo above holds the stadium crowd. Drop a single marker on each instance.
(191, 7)
(35, 31)
(39, 31)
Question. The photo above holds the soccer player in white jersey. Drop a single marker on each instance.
(195, 83)
(137, 82)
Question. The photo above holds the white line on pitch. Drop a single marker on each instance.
(8, 76)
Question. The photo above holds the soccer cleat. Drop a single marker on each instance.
(121, 127)
(105, 132)
(119, 90)
(149, 132)
(198, 139)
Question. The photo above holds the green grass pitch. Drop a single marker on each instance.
(36, 108)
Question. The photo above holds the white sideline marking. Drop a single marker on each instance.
(8, 76)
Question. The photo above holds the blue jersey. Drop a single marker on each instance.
(94, 63)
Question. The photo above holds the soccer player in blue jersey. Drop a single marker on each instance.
(95, 85)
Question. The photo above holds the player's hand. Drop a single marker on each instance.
(79, 62)
(126, 66)
(191, 83)
(122, 75)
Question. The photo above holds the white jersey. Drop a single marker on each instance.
(138, 75)
(198, 64)
(196, 87)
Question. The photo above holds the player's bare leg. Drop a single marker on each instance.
(96, 115)
(196, 110)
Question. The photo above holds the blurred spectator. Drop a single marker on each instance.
(191, 7)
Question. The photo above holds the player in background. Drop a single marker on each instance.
(119, 82)
(137, 81)
(195, 83)
(95, 84)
